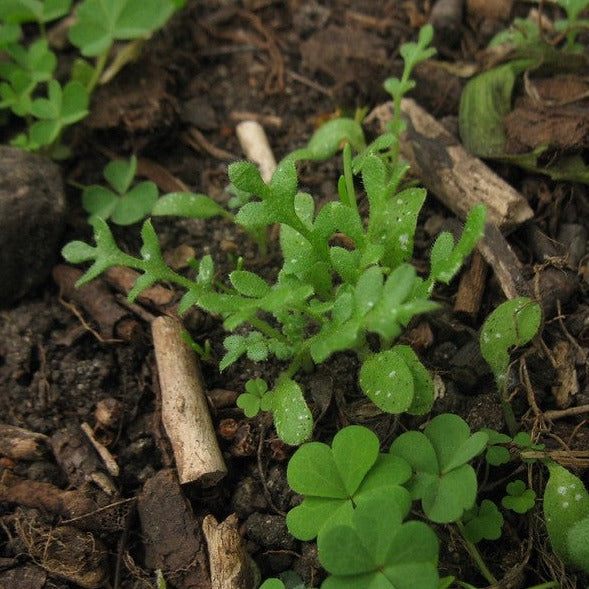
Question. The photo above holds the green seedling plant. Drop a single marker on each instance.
(519, 497)
(334, 481)
(349, 488)
(327, 298)
(256, 398)
(28, 84)
(488, 97)
(443, 479)
(286, 580)
(482, 522)
(501, 448)
(344, 485)
(514, 323)
(566, 514)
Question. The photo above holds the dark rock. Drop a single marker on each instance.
(32, 217)
(269, 531)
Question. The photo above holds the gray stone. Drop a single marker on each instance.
(32, 218)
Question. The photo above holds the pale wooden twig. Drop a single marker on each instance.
(453, 175)
(185, 413)
(256, 147)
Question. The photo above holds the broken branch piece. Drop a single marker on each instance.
(185, 413)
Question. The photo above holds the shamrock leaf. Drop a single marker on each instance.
(255, 398)
(483, 522)
(102, 22)
(376, 549)
(124, 205)
(519, 498)
(443, 479)
(335, 480)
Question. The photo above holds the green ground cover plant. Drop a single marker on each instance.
(29, 87)
(357, 501)
(326, 298)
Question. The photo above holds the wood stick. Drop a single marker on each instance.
(185, 413)
(472, 286)
(98, 301)
(256, 147)
(229, 562)
(455, 177)
(21, 444)
(508, 270)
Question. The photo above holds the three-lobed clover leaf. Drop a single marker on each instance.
(519, 497)
(123, 205)
(439, 456)
(102, 22)
(376, 549)
(336, 480)
(513, 323)
(483, 522)
(255, 399)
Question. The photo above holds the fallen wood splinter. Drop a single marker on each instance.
(185, 412)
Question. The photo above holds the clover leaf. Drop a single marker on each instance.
(102, 22)
(28, 67)
(497, 451)
(124, 205)
(336, 480)
(376, 549)
(442, 479)
(483, 522)
(255, 398)
(519, 498)
(513, 323)
(62, 107)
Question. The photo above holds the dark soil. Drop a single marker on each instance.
(292, 64)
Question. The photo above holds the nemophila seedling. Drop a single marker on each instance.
(512, 324)
(566, 514)
(327, 298)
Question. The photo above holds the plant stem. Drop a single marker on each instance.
(265, 328)
(349, 178)
(476, 556)
(98, 69)
(508, 414)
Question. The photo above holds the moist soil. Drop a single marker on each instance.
(290, 65)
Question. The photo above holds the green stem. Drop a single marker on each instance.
(349, 178)
(476, 556)
(508, 413)
(265, 328)
(98, 69)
